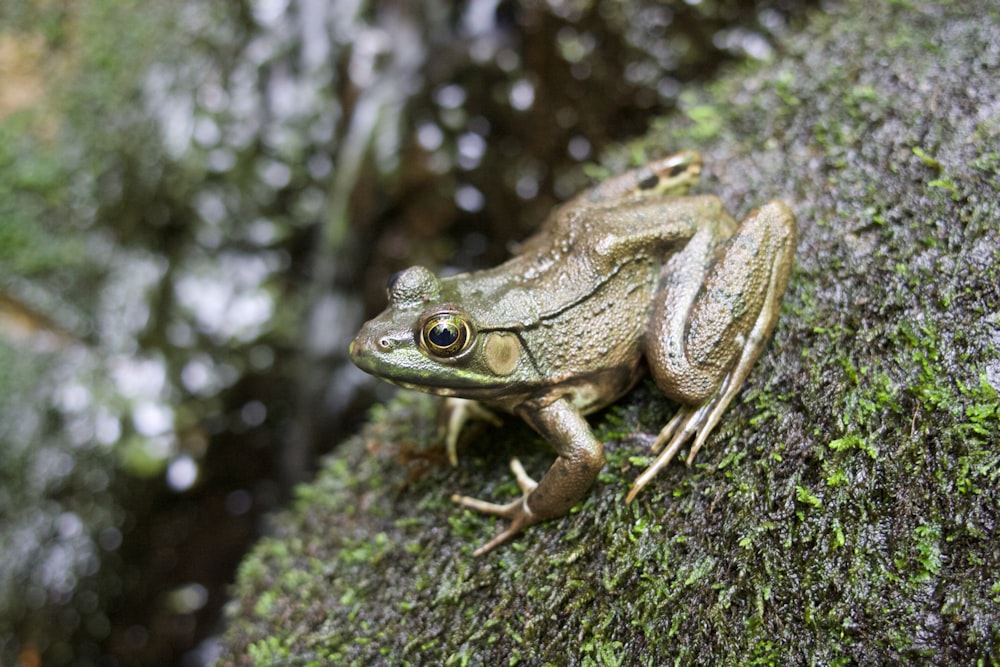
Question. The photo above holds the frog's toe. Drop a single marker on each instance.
(677, 431)
(455, 414)
(524, 480)
(510, 510)
(485, 506)
(516, 512)
(517, 525)
(688, 422)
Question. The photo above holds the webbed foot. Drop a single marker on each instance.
(690, 420)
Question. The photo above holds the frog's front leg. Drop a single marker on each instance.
(731, 295)
(581, 457)
(455, 414)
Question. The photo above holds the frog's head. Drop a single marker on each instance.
(424, 341)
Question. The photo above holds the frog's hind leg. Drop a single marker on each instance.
(703, 360)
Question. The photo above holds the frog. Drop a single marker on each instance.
(634, 275)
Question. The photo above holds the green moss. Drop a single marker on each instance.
(268, 651)
(707, 120)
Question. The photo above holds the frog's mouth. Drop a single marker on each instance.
(428, 389)
(462, 385)
(407, 367)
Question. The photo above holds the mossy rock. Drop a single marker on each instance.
(846, 509)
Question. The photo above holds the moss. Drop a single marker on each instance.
(845, 511)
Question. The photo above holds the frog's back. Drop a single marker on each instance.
(574, 256)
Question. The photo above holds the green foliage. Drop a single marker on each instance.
(61, 410)
(36, 234)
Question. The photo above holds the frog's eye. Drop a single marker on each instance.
(445, 334)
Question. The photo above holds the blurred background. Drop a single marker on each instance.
(201, 201)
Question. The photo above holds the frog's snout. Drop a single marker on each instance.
(370, 347)
(363, 355)
(361, 347)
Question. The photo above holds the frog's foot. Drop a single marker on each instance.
(517, 511)
(688, 421)
(456, 413)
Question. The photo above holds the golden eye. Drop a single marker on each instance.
(445, 334)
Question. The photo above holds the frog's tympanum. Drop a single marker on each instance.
(630, 274)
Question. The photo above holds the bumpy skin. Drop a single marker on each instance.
(627, 271)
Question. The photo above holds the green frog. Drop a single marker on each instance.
(631, 274)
